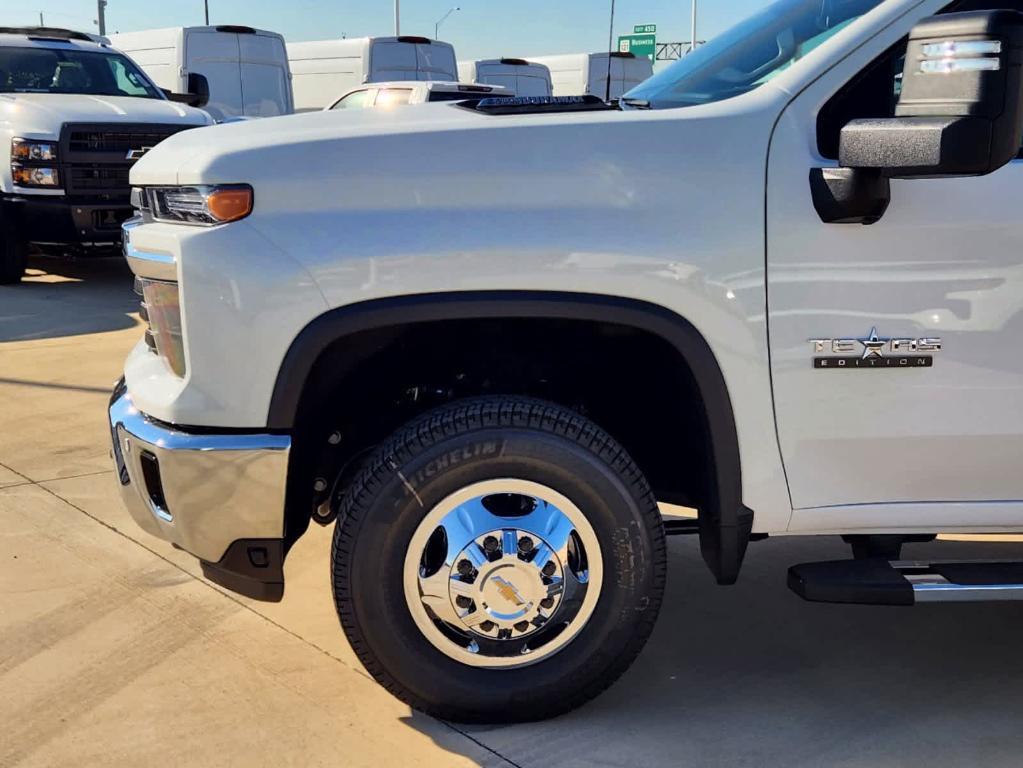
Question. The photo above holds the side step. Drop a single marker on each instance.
(880, 582)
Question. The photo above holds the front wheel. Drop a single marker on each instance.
(499, 559)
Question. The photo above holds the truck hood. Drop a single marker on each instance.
(351, 152)
(40, 115)
(219, 153)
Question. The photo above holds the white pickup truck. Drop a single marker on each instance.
(75, 114)
(782, 285)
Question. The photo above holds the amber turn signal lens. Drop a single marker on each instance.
(229, 203)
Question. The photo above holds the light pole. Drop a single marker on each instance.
(610, 50)
(397, 18)
(692, 44)
(101, 19)
(206, 7)
(436, 27)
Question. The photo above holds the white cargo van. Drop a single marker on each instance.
(323, 70)
(578, 74)
(245, 70)
(523, 78)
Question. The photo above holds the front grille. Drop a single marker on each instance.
(113, 140)
(98, 177)
(94, 156)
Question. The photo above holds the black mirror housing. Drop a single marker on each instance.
(198, 89)
(960, 112)
(920, 146)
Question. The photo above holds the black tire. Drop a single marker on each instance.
(13, 254)
(537, 441)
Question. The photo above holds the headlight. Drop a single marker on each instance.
(33, 163)
(201, 204)
(34, 176)
(27, 149)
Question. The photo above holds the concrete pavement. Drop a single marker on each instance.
(114, 651)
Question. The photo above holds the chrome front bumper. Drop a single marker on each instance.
(203, 492)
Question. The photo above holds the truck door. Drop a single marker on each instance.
(215, 55)
(265, 87)
(941, 272)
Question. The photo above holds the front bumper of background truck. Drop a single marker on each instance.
(218, 496)
(64, 220)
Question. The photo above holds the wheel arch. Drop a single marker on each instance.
(725, 523)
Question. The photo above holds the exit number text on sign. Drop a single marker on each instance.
(644, 29)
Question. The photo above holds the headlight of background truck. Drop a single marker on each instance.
(34, 163)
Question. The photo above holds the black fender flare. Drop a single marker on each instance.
(724, 526)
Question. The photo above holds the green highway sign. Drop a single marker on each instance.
(638, 45)
(645, 29)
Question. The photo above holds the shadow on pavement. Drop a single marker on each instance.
(68, 297)
(752, 676)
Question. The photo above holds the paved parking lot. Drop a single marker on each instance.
(113, 650)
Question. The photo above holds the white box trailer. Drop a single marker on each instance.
(244, 69)
(521, 77)
(578, 74)
(324, 70)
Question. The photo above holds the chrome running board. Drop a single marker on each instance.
(880, 582)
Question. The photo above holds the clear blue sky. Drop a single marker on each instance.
(483, 28)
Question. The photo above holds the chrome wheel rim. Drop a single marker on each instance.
(503, 573)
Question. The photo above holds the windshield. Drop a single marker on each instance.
(57, 70)
(749, 54)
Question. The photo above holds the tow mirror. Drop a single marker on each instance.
(199, 88)
(960, 113)
(198, 91)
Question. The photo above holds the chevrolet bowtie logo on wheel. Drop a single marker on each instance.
(874, 351)
(508, 591)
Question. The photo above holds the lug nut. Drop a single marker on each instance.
(487, 626)
(462, 601)
(335, 438)
(320, 485)
(525, 545)
(490, 544)
(522, 626)
(464, 568)
(550, 568)
(547, 602)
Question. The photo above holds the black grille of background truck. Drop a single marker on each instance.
(94, 160)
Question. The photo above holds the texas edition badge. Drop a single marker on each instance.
(873, 351)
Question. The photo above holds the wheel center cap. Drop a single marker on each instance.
(508, 591)
(507, 583)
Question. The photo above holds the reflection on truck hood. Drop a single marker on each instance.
(44, 113)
